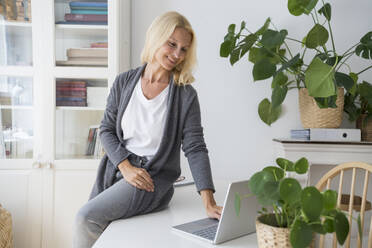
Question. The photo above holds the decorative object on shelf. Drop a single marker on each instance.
(358, 106)
(71, 93)
(303, 212)
(88, 13)
(314, 117)
(270, 53)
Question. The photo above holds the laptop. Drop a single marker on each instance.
(231, 225)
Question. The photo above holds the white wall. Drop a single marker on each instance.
(238, 141)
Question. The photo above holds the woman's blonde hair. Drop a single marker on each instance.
(159, 32)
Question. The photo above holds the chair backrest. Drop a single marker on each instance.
(325, 183)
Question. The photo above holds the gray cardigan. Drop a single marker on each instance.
(182, 128)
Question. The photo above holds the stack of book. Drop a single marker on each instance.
(86, 57)
(94, 146)
(23, 10)
(90, 13)
(71, 93)
(300, 134)
(5, 98)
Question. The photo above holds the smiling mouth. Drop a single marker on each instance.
(173, 62)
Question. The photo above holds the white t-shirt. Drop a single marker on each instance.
(143, 122)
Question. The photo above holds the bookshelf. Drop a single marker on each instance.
(51, 175)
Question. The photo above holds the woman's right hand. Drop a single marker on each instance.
(137, 177)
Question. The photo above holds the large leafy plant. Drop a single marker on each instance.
(359, 102)
(304, 210)
(268, 50)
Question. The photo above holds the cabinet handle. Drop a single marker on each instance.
(36, 165)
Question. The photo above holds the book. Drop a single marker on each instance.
(85, 18)
(68, 93)
(89, 12)
(81, 23)
(87, 52)
(94, 59)
(99, 44)
(68, 89)
(77, 4)
(77, 84)
(71, 104)
(81, 63)
(71, 99)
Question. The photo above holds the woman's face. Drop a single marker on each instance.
(174, 50)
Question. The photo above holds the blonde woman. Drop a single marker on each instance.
(152, 112)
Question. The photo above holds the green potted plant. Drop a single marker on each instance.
(320, 77)
(297, 212)
(358, 106)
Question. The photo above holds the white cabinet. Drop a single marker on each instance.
(47, 161)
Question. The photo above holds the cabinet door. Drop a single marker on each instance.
(71, 188)
(20, 194)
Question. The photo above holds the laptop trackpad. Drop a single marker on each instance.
(197, 225)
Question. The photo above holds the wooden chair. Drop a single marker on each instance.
(325, 183)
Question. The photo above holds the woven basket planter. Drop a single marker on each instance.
(6, 234)
(314, 117)
(273, 237)
(366, 129)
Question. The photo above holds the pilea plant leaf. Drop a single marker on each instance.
(301, 234)
(278, 173)
(301, 166)
(257, 181)
(285, 164)
(290, 190)
(330, 199)
(311, 203)
(341, 227)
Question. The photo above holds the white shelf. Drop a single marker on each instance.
(79, 108)
(80, 30)
(78, 72)
(16, 107)
(16, 24)
(19, 71)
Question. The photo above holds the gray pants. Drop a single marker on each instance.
(116, 202)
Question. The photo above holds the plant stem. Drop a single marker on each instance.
(364, 69)
(302, 43)
(316, 15)
(277, 216)
(313, 18)
(343, 62)
(330, 31)
(350, 48)
(303, 55)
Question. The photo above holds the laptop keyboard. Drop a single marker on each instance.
(207, 233)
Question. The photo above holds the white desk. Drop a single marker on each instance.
(154, 230)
